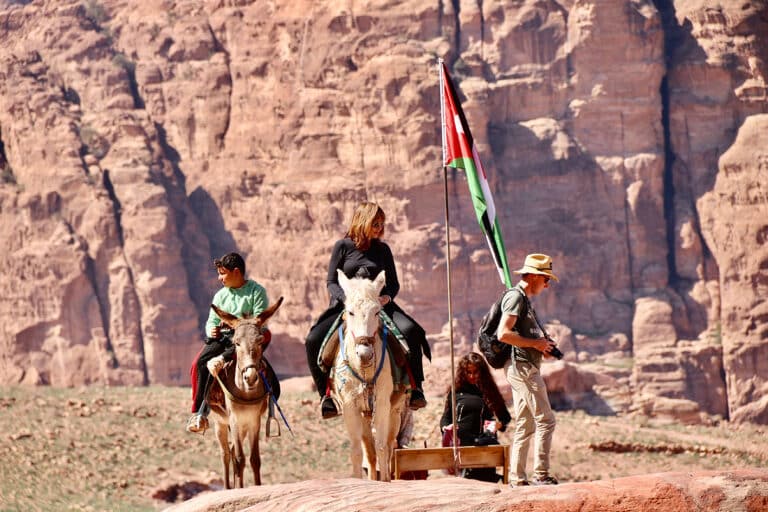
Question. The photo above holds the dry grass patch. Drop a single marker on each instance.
(114, 448)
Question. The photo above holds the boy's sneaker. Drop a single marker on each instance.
(328, 408)
(544, 480)
(418, 400)
(197, 424)
(519, 483)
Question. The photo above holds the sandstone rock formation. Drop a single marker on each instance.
(138, 140)
(683, 492)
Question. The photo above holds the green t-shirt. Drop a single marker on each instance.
(525, 325)
(250, 299)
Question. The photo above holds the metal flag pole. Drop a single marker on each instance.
(448, 270)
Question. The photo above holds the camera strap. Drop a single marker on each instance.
(536, 318)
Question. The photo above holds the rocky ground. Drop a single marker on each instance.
(116, 449)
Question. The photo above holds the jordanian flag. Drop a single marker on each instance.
(460, 152)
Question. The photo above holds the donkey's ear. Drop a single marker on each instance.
(343, 280)
(227, 318)
(267, 313)
(380, 281)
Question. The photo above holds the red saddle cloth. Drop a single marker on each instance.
(193, 368)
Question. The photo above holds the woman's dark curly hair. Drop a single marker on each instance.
(491, 394)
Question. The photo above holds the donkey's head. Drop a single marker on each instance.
(362, 308)
(249, 343)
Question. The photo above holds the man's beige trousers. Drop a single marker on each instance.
(533, 415)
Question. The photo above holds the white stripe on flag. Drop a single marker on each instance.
(489, 206)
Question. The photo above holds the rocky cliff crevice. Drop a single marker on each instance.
(622, 138)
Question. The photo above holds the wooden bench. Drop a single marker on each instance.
(416, 459)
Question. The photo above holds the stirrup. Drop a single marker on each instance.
(271, 420)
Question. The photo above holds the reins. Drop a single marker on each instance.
(237, 400)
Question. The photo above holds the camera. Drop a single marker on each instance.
(554, 351)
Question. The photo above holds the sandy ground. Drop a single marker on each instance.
(126, 449)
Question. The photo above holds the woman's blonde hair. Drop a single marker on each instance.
(361, 226)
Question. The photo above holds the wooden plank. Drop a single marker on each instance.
(414, 459)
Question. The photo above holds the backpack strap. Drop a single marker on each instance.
(524, 309)
(526, 304)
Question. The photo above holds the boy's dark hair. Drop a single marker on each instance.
(230, 262)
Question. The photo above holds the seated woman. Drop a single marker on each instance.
(361, 253)
(478, 400)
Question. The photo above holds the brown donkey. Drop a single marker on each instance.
(237, 418)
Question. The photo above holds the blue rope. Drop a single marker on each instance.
(274, 400)
(381, 360)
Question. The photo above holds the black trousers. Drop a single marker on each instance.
(223, 346)
(314, 342)
(414, 334)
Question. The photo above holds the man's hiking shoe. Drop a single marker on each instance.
(197, 424)
(417, 400)
(519, 483)
(328, 408)
(544, 480)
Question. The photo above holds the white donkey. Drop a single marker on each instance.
(362, 382)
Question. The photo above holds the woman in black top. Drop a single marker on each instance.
(361, 253)
(478, 400)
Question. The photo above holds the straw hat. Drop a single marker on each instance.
(537, 264)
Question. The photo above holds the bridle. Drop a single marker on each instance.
(259, 372)
(384, 336)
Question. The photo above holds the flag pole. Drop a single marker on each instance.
(448, 271)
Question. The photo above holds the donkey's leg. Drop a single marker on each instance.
(386, 421)
(395, 422)
(237, 452)
(369, 447)
(255, 456)
(384, 439)
(353, 421)
(239, 462)
(223, 437)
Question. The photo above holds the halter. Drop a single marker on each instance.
(381, 360)
(237, 400)
(257, 368)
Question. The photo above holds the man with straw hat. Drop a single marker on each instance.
(520, 328)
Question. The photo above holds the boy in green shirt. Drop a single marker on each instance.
(240, 297)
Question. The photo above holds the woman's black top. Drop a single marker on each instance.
(472, 412)
(356, 263)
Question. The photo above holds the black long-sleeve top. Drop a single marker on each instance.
(354, 262)
(471, 412)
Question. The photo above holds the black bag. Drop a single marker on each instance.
(496, 352)
(486, 439)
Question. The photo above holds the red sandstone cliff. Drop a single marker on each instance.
(627, 139)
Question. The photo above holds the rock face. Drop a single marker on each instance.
(701, 492)
(626, 139)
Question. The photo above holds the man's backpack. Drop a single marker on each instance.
(496, 352)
